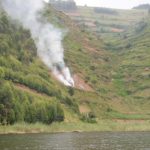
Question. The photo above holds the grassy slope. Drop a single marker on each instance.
(102, 125)
(85, 56)
(96, 67)
(35, 79)
(131, 75)
(104, 24)
(122, 100)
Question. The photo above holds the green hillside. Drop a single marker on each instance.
(31, 85)
(133, 72)
(111, 77)
(106, 21)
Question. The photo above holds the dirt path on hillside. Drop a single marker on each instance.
(130, 121)
(88, 47)
(29, 90)
(84, 109)
(116, 30)
(81, 84)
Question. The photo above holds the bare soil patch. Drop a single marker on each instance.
(81, 84)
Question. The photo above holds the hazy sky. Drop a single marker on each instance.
(121, 4)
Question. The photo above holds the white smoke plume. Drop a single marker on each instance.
(48, 39)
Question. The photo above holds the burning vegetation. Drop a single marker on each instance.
(46, 37)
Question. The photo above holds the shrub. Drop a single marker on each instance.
(2, 73)
(71, 91)
(7, 115)
(88, 117)
(71, 103)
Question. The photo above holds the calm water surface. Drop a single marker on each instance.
(77, 141)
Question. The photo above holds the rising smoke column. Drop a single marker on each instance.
(48, 39)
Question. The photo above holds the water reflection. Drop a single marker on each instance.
(77, 141)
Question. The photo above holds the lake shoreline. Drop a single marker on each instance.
(75, 141)
(67, 127)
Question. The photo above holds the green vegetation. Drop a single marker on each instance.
(104, 22)
(16, 106)
(113, 71)
(132, 74)
(88, 117)
(103, 125)
(20, 66)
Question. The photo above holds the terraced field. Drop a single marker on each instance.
(106, 20)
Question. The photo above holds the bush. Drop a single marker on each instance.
(71, 103)
(71, 91)
(18, 106)
(2, 73)
(88, 117)
(4, 48)
(18, 53)
(7, 115)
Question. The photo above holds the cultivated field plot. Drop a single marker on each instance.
(104, 20)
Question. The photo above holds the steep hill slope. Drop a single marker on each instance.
(30, 93)
(29, 82)
(106, 21)
(132, 76)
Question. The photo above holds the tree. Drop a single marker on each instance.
(6, 104)
(4, 48)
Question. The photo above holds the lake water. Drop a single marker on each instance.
(77, 141)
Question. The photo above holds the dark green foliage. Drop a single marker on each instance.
(45, 112)
(7, 115)
(71, 91)
(4, 23)
(15, 41)
(71, 103)
(16, 106)
(4, 48)
(18, 52)
(2, 74)
(88, 117)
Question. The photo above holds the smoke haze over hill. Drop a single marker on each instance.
(46, 36)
